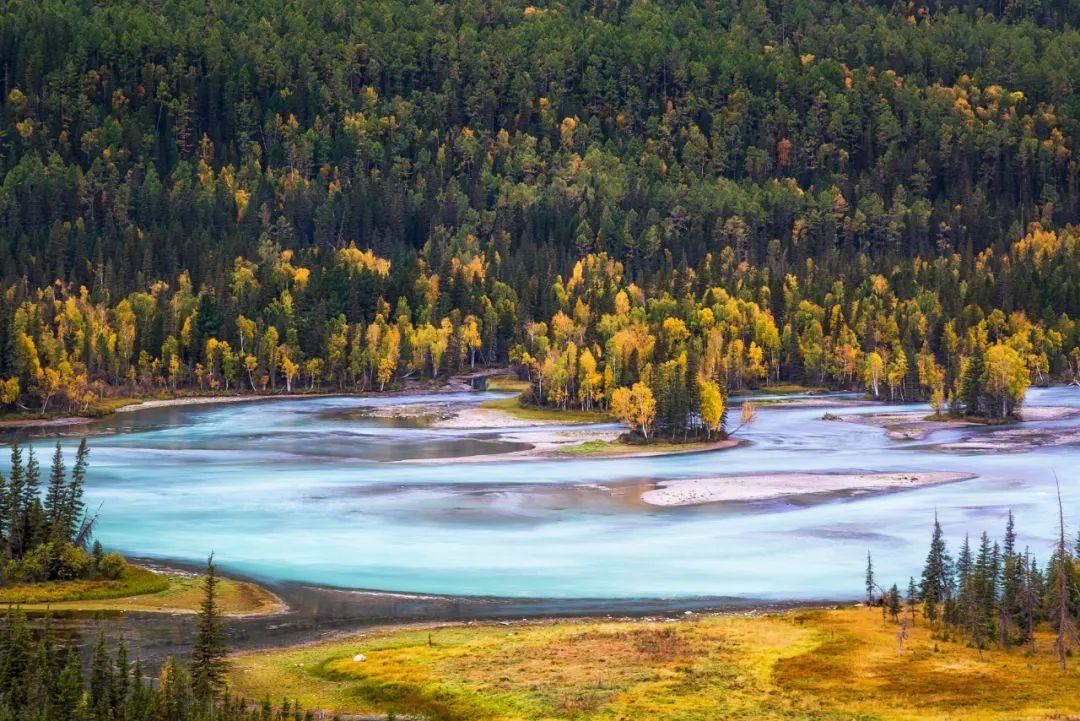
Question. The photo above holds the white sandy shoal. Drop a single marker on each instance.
(695, 491)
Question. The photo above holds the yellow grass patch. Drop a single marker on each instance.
(813, 665)
(142, 590)
(513, 407)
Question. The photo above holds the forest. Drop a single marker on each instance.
(643, 207)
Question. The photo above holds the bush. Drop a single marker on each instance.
(53, 561)
(111, 566)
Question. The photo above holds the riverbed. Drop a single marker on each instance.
(326, 492)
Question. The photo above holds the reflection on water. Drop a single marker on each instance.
(301, 490)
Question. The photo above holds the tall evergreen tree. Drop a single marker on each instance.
(869, 580)
(1062, 590)
(13, 501)
(55, 497)
(208, 664)
(74, 507)
(936, 583)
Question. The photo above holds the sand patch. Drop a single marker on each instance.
(696, 491)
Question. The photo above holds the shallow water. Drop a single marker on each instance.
(312, 491)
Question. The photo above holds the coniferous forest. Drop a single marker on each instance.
(674, 199)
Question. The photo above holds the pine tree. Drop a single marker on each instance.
(1062, 590)
(912, 598)
(1031, 598)
(937, 574)
(972, 395)
(74, 508)
(208, 664)
(1010, 612)
(100, 680)
(869, 580)
(13, 502)
(55, 497)
(33, 515)
(121, 685)
(894, 603)
(965, 587)
(981, 619)
(15, 666)
(69, 688)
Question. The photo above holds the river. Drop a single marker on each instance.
(314, 491)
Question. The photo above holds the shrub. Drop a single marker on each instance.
(53, 561)
(112, 566)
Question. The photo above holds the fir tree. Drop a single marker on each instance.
(208, 654)
(13, 503)
(1010, 613)
(869, 580)
(1062, 589)
(55, 497)
(101, 678)
(912, 598)
(69, 688)
(971, 382)
(894, 603)
(937, 574)
(74, 508)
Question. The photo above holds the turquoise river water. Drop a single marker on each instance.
(315, 491)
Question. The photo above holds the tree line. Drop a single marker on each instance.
(992, 594)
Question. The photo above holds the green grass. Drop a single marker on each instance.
(141, 589)
(135, 581)
(513, 407)
(817, 665)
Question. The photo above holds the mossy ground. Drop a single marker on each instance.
(513, 407)
(507, 384)
(810, 665)
(141, 589)
(618, 447)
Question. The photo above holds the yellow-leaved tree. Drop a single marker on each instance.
(635, 407)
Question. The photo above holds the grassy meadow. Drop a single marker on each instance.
(812, 665)
(141, 589)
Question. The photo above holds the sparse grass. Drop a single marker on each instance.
(513, 407)
(141, 590)
(807, 665)
(507, 384)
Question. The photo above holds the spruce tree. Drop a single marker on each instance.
(74, 508)
(101, 679)
(69, 688)
(912, 598)
(1010, 614)
(1062, 589)
(937, 574)
(894, 603)
(33, 515)
(13, 502)
(55, 497)
(121, 685)
(208, 664)
(971, 383)
(869, 580)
